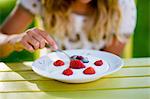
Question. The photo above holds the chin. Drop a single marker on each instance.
(85, 1)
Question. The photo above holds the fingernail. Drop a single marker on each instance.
(55, 47)
(31, 50)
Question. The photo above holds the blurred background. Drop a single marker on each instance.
(138, 45)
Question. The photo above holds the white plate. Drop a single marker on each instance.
(44, 65)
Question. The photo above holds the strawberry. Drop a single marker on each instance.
(68, 72)
(98, 63)
(58, 63)
(89, 71)
(76, 64)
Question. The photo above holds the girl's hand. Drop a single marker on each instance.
(34, 39)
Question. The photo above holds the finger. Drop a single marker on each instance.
(27, 46)
(47, 38)
(32, 42)
(39, 38)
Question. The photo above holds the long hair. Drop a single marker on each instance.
(103, 23)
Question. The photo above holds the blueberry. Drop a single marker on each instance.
(80, 57)
(85, 60)
(74, 56)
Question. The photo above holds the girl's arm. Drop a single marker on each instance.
(116, 46)
(12, 36)
(17, 21)
(127, 26)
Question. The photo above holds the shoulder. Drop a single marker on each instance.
(33, 6)
(127, 2)
(129, 14)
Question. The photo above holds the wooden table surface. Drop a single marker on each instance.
(18, 81)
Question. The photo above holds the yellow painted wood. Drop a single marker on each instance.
(96, 94)
(137, 62)
(18, 81)
(31, 75)
(51, 85)
(15, 66)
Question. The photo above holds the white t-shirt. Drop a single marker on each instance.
(128, 23)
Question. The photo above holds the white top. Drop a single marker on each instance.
(128, 23)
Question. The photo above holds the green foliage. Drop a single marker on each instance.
(6, 7)
(141, 43)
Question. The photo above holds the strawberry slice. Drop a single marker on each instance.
(76, 64)
(89, 71)
(58, 63)
(68, 72)
(98, 63)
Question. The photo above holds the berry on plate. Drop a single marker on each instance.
(89, 71)
(85, 60)
(74, 56)
(76, 64)
(98, 63)
(68, 72)
(79, 57)
(58, 63)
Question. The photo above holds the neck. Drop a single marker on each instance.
(81, 8)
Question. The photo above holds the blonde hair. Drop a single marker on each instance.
(104, 20)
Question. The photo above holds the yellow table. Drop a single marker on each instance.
(18, 81)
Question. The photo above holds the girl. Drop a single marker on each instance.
(88, 24)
